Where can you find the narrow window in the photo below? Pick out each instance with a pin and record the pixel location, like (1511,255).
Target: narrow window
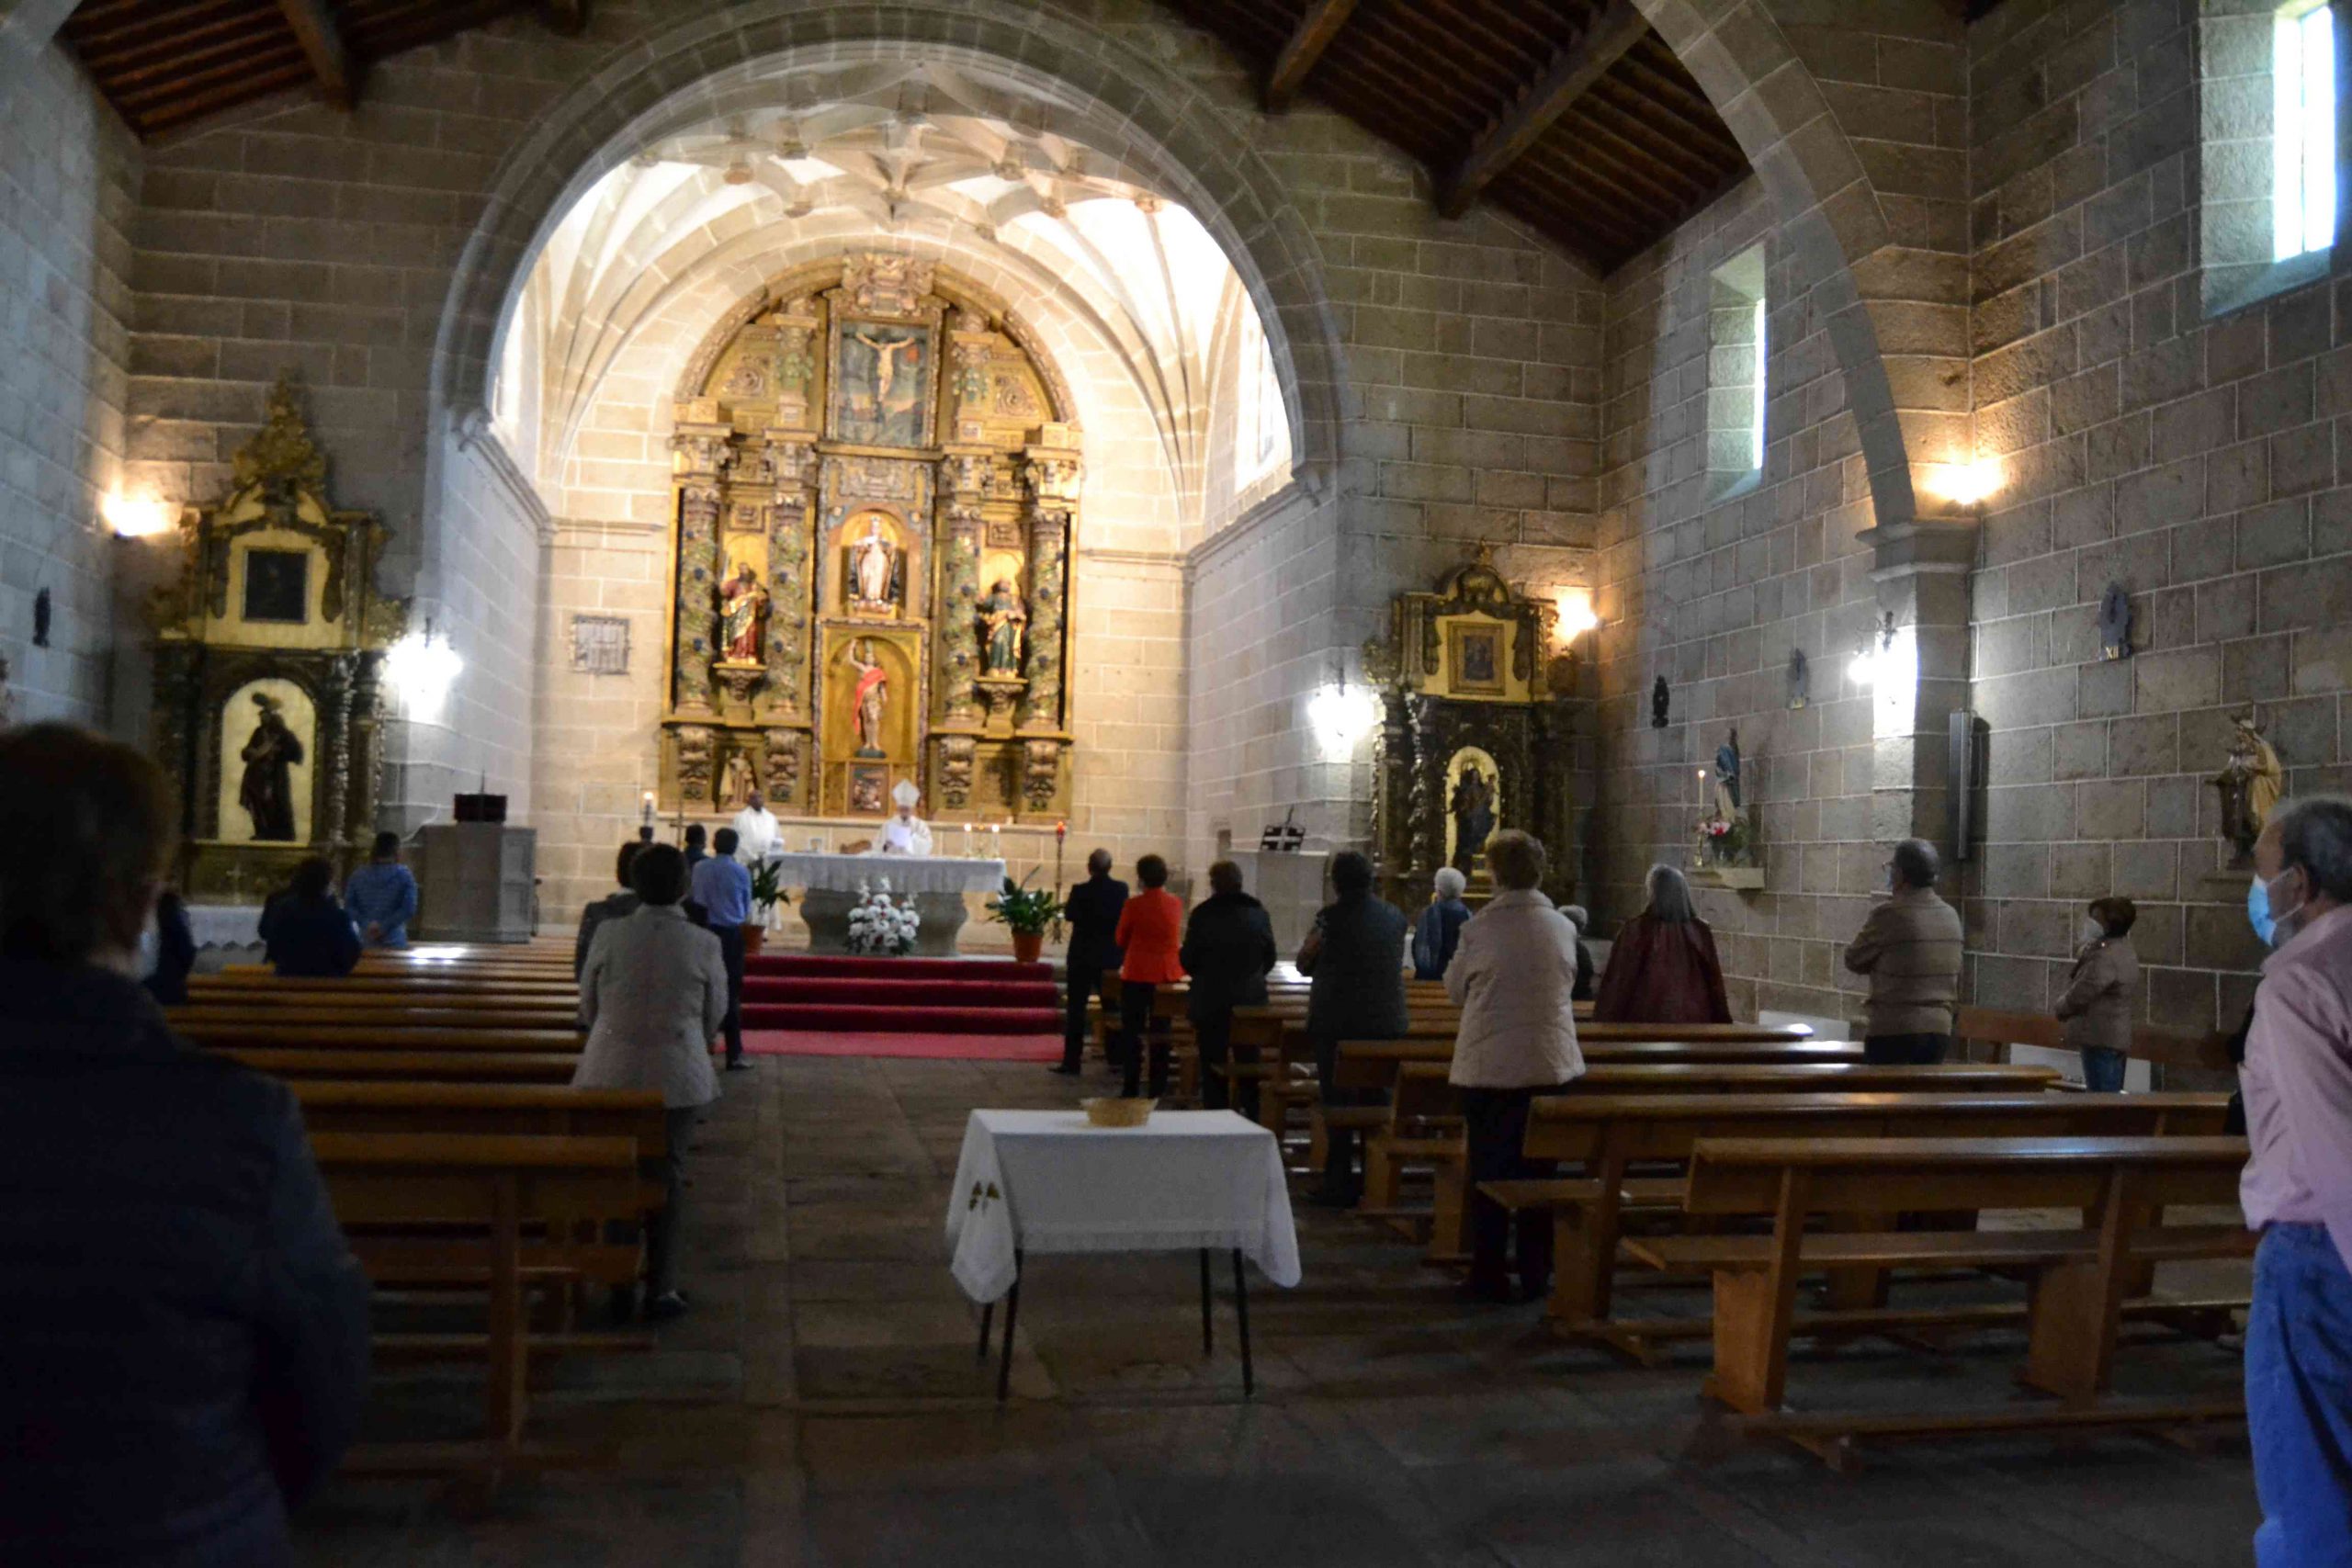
(1737,364)
(1763,354)
(2302,80)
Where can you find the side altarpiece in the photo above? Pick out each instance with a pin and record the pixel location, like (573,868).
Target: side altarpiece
(1479,727)
(876,486)
(269,699)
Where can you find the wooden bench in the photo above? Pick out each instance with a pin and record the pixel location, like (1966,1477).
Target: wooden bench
(548,1111)
(348,1037)
(1987,1035)
(1607,1136)
(2122,1187)
(437,1067)
(192,1022)
(495,1211)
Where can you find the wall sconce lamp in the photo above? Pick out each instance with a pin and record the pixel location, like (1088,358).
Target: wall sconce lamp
(1967,484)
(1863,670)
(137,516)
(1576,615)
(1339,714)
(421,667)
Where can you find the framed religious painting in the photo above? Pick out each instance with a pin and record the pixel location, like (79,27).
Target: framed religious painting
(883,391)
(1475,657)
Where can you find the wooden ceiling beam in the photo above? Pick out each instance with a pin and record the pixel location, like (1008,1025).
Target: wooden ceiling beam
(315,29)
(1616,29)
(1313,34)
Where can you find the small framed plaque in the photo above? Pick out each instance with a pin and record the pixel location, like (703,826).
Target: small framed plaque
(600,644)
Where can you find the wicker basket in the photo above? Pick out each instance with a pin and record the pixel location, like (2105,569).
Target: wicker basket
(1108,1113)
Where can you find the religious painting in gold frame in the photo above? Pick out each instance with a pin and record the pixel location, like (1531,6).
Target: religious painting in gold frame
(1477,659)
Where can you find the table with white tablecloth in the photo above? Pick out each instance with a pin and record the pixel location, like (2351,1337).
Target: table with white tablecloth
(1048,1181)
(831,887)
(224,925)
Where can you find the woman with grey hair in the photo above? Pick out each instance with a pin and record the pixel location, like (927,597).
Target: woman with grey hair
(1582,919)
(1663,968)
(1439,930)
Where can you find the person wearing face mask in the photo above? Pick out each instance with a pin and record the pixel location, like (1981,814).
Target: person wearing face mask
(2297,1189)
(183,1331)
(2101,994)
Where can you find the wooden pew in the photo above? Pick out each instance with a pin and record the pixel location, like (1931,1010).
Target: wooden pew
(559,1111)
(301,1024)
(301,993)
(434,1067)
(2121,1187)
(1987,1035)
(497,1211)
(273,1035)
(1423,1111)
(1607,1135)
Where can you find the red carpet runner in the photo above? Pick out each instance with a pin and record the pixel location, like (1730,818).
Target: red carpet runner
(931,997)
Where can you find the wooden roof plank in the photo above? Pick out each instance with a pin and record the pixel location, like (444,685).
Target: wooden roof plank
(315,29)
(1307,41)
(1617,29)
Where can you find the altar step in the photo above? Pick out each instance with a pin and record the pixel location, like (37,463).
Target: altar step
(902,996)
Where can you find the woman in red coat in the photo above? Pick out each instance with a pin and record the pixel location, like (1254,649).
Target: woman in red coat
(1152,931)
(1663,968)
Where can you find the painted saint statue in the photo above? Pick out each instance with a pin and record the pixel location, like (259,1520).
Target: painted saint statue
(1473,819)
(870,699)
(2250,783)
(743,615)
(1004,624)
(874,569)
(266,792)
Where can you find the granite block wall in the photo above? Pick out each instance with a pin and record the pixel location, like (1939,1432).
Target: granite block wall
(69,182)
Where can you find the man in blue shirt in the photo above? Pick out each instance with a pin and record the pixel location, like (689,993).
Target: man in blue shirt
(723,888)
(382,896)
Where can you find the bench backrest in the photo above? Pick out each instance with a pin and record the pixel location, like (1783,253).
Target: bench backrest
(433,1066)
(1997,1029)
(394,1178)
(1621,1127)
(1758,1176)
(544,1110)
(1423,1089)
(1375,1064)
(352,1036)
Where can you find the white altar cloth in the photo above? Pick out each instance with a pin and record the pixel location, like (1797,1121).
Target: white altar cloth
(905,873)
(1048,1181)
(224,925)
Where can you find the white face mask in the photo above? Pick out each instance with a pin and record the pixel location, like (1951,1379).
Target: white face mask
(2090,932)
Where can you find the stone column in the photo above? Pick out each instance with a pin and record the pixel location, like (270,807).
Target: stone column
(1921,572)
(1052,475)
(698,452)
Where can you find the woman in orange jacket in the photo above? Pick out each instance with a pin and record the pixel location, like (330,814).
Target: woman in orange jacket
(1151,928)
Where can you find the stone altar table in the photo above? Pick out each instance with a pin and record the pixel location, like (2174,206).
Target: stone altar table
(830,887)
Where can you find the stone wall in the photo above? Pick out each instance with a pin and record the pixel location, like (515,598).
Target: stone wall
(2191,460)
(69,178)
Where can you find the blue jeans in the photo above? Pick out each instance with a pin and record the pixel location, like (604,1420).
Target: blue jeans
(2299,1399)
(2103,1069)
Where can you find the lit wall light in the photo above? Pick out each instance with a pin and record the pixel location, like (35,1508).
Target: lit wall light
(1967,484)
(137,516)
(1865,669)
(421,667)
(1575,614)
(1339,716)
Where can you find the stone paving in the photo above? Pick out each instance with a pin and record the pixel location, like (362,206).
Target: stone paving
(822,1405)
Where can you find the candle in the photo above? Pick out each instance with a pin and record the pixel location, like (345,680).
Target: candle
(648,817)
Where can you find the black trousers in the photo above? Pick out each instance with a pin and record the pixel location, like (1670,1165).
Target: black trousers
(1904,1050)
(1340,1177)
(661,1226)
(1134,1024)
(1213,1037)
(1496,1123)
(1080,987)
(730,949)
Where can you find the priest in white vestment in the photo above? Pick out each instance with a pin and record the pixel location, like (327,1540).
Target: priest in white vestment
(905,833)
(758,834)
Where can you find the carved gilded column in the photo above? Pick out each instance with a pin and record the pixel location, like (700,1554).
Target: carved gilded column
(335,683)
(366,743)
(1052,475)
(793,454)
(698,452)
(966,474)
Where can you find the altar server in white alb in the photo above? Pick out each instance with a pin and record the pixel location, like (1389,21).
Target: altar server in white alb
(905,833)
(758,834)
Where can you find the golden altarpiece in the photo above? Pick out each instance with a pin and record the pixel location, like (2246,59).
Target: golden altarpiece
(1478,732)
(875,486)
(270,698)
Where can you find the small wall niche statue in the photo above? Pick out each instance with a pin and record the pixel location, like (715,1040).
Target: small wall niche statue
(1727,777)
(1472,808)
(1799,679)
(2250,783)
(2115,623)
(1661,699)
(1004,624)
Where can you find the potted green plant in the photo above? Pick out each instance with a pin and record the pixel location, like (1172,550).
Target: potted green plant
(1026,911)
(767,892)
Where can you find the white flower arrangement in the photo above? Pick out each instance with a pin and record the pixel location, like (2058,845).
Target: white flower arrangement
(881,926)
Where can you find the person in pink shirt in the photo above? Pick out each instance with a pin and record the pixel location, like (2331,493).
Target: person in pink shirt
(2297,1190)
